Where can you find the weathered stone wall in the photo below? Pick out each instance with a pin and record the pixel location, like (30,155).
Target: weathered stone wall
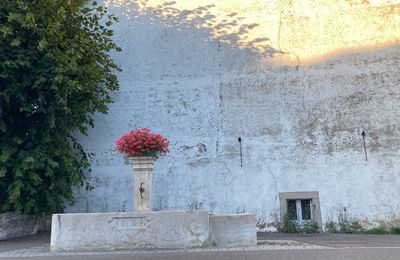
(298,81)
(13,225)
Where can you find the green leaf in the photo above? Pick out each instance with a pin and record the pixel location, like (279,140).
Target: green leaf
(17,140)
(5,155)
(18,173)
(42,45)
(56,74)
(3,172)
(15,42)
(29,159)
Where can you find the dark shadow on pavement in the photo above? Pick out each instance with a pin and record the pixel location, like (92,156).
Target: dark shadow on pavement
(25,242)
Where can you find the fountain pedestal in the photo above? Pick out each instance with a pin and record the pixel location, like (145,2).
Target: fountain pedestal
(143,173)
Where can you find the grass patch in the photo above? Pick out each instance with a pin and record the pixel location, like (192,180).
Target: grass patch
(381,230)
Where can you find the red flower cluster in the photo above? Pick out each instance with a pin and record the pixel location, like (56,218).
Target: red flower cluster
(142,143)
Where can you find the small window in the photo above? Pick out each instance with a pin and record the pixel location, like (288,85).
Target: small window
(306,209)
(300,207)
(291,210)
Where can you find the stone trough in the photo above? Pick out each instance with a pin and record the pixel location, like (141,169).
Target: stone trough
(150,230)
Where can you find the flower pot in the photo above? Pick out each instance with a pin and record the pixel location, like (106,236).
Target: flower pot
(143,170)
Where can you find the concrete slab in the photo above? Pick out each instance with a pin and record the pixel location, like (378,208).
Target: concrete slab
(233,230)
(13,225)
(112,231)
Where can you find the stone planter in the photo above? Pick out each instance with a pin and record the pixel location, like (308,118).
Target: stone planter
(143,170)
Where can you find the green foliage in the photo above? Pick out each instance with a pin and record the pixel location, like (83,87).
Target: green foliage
(240,210)
(381,230)
(351,227)
(287,226)
(348,225)
(290,226)
(309,227)
(261,223)
(55,73)
(344,224)
(195,205)
(354,226)
(331,227)
(395,230)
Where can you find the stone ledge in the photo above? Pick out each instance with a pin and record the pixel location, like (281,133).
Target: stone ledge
(233,230)
(13,225)
(145,230)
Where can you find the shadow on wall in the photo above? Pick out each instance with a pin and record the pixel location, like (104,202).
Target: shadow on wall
(230,30)
(291,33)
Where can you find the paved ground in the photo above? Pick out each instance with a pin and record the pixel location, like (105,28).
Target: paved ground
(271,246)
(337,240)
(25,242)
(301,254)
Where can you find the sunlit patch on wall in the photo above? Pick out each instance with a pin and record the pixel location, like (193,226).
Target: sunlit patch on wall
(299,31)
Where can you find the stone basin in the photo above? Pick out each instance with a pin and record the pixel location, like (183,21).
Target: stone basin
(113,231)
(150,230)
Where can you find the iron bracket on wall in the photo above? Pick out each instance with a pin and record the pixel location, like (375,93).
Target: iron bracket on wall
(365,147)
(241,155)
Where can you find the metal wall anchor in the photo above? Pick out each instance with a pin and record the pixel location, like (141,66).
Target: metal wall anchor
(365,147)
(241,155)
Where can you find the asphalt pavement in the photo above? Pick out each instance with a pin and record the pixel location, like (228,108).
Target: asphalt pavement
(25,242)
(271,246)
(336,240)
(300,254)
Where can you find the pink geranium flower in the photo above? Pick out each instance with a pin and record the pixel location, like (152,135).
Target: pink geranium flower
(142,142)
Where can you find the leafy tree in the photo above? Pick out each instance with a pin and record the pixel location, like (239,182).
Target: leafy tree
(55,73)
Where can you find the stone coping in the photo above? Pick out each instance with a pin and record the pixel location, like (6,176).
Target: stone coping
(145,212)
(231,215)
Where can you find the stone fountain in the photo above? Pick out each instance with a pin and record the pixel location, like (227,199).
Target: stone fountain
(148,229)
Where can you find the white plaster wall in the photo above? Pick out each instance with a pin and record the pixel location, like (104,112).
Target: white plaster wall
(300,123)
